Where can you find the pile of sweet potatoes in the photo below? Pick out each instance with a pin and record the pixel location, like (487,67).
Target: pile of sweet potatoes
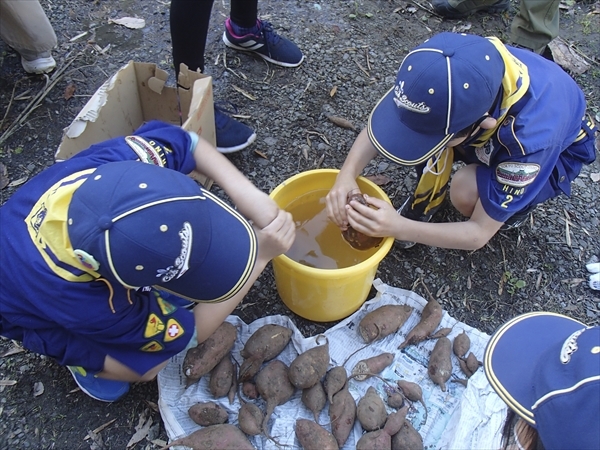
(265,378)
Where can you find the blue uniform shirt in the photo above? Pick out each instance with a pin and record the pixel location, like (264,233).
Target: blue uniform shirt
(57,309)
(539,147)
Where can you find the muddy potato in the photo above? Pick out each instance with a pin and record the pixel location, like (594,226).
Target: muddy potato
(440,364)
(383,321)
(208,413)
(356,239)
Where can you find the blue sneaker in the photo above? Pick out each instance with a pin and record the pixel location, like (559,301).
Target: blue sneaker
(232,135)
(263,41)
(98,388)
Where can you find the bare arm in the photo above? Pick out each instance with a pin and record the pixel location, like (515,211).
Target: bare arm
(252,203)
(384,221)
(360,154)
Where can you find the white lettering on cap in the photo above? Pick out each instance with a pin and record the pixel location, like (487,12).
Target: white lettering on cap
(181,264)
(569,347)
(402,101)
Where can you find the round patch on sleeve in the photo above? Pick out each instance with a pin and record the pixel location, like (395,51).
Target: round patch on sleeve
(516,174)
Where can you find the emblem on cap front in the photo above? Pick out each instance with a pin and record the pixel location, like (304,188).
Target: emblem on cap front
(181,264)
(569,347)
(86,260)
(402,101)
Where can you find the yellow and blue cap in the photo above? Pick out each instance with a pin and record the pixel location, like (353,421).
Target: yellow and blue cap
(442,86)
(546,367)
(144,225)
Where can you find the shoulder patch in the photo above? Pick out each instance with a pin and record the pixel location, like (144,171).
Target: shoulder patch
(516,174)
(174,330)
(152,346)
(145,150)
(154,326)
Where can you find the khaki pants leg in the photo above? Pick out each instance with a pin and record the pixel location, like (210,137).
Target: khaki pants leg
(25,27)
(535,24)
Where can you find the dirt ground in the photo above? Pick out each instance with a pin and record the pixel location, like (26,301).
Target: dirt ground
(352,47)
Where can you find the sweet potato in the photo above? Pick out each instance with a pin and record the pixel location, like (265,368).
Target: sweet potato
(214,437)
(335,379)
(250,419)
(430,319)
(311,436)
(395,400)
(203,358)
(249,390)
(310,367)
(374,440)
(342,414)
(463,366)
(382,439)
(374,365)
(472,362)
(461,344)
(221,377)
(314,398)
(440,365)
(442,332)
(383,321)
(413,392)
(356,239)
(395,421)
(407,438)
(265,344)
(208,413)
(273,385)
(370,410)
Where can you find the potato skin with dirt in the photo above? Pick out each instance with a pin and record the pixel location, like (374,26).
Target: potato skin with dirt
(430,319)
(383,321)
(373,365)
(313,436)
(208,413)
(215,437)
(342,415)
(440,364)
(250,419)
(356,239)
(407,438)
(265,344)
(309,367)
(203,358)
(370,410)
(221,377)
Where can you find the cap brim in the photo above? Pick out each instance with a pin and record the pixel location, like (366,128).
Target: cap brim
(396,141)
(228,261)
(514,351)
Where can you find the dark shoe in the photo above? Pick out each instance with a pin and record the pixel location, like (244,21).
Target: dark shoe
(443,8)
(406,211)
(98,388)
(265,42)
(232,136)
(517,220)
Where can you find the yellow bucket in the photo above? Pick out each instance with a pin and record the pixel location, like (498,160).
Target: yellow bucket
(324,295)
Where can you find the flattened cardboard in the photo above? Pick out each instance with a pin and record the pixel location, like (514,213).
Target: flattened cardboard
(135,94)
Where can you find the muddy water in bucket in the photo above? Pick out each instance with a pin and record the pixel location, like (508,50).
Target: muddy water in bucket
(319,242)
(322,278)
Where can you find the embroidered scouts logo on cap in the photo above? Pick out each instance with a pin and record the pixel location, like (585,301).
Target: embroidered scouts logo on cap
(569,347)
(402,101)
(182,262)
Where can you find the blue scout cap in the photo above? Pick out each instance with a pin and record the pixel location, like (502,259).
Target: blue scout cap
(443,86)
(145,225)
(546,367)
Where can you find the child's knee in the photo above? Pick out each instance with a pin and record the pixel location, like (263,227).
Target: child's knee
(464,194)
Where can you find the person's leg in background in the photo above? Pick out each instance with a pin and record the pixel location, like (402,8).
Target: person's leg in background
(25,27)
(245,31)
(189,22)
(535,25)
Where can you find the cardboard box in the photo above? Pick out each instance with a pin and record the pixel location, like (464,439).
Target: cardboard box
(137,94)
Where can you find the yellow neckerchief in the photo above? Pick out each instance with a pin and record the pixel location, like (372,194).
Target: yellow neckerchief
(47,226)
(514,86)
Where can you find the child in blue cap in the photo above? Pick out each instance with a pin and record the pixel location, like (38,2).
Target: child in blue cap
(546,368)
(515,119)
(101,253)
